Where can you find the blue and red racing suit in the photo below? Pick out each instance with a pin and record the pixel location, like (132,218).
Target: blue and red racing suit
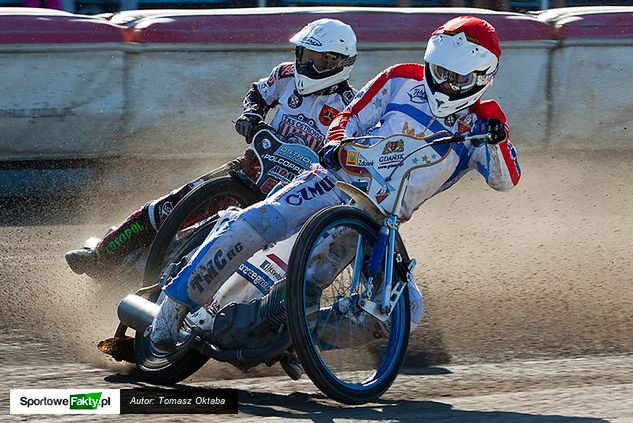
(393,102)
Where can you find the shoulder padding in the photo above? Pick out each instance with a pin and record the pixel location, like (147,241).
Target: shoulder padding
(285,70)
(488,109)
(405,70)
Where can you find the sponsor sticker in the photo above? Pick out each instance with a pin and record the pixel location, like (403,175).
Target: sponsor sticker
(465,123)
(327,114)
(271,80)
(309,192)
(286,69)
(303,127)
(311,41)
(295,100)
(255,276)
(205,274)
(348,96)
(382,194)
(165,209)
(352,157)
(64,401)
(355,159)
(280,173)
(125,236)
(417,94)
(393,147)
(268,185)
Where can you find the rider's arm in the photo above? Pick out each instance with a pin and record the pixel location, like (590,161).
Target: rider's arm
(263,95)
(497,163)
(370,103)
(254,103)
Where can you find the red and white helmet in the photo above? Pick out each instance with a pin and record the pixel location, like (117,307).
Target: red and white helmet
(325,54)
(461,60)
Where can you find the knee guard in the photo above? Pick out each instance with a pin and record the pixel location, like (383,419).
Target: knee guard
(225,249)
(267,221)
(159,209)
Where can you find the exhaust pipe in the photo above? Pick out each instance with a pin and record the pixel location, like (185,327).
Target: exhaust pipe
(137,312)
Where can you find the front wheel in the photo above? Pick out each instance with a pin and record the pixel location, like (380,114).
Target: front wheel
(350,355)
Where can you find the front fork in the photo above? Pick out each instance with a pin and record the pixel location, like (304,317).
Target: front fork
(383,252)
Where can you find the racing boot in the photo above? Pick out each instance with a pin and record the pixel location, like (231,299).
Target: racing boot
(85,260)
(100,257)
(291,365)
(335,328)
(166,325)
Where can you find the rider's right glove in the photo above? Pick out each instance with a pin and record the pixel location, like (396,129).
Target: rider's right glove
(328,156)
(494,127)
(245,124)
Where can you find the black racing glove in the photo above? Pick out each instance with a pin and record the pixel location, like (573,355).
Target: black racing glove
(328,156)
(246,123)
(494,127)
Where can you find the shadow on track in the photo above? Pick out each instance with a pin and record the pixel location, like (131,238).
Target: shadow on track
(320,409)
(316,408)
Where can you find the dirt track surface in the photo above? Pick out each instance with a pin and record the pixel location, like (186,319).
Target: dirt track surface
(528,305)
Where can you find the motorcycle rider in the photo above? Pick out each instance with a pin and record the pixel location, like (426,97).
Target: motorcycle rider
(460,62)
(310,92)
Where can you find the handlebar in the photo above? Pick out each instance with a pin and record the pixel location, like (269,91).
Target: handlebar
(461,138)
(446,140)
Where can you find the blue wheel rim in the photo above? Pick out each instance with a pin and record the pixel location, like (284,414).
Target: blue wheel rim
(396,334)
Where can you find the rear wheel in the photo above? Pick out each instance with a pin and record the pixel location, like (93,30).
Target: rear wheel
(350,355)
(156,366)
(183,231)
(189,215)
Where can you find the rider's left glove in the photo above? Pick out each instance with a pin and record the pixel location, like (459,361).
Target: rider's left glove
(245,124)
(328,156)
(494,127)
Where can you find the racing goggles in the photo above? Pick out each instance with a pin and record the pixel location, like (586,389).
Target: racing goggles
(459,83)
(315,64)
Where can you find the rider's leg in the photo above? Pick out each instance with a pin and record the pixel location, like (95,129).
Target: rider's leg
(328,260)
(137,231)
(330,257)
(272,220)
(336,330)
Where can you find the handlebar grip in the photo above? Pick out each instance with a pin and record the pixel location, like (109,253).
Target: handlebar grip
(450,140)
(459,138)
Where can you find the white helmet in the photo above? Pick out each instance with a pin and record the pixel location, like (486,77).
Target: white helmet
(325,55)
(461,60)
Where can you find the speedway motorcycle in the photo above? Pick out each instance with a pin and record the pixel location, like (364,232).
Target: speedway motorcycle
(337,294)
(270,161)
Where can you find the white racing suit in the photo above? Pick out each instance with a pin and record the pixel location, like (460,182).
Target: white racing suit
(302,119)
(393,102)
